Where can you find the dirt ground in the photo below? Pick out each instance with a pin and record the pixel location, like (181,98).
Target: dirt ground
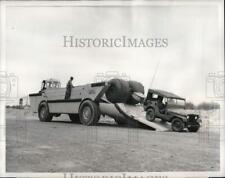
(62,146)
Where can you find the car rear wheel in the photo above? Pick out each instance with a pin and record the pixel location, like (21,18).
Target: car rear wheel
(89,113)
(43,113)
(177,125)
(150,114)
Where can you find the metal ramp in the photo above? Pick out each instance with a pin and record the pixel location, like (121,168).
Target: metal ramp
(137,113)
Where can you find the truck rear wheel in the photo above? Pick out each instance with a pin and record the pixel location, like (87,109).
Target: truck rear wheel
(89,113)
(74,118)
(177,125)
(43,113)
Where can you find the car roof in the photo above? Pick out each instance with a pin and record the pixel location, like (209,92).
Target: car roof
(165,94)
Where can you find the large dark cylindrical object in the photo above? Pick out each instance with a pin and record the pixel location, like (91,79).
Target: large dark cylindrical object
(118,91)
(134,87)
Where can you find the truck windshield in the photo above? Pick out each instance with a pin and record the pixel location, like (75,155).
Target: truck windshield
(54,85)
(50,85)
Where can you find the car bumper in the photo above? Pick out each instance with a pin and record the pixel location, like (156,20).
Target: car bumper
(196,125)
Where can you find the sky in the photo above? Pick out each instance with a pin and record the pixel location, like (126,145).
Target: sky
(34,45)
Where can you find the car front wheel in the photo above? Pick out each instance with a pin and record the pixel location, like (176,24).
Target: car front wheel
(177,125)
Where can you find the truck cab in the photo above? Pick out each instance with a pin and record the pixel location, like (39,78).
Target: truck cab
(50,83)
(170,107)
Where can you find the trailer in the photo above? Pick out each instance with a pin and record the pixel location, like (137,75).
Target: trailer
(119,99)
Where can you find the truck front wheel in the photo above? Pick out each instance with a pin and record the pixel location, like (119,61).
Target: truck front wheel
(89,113)
(43,113)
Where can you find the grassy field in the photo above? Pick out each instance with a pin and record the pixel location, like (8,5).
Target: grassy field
(58,146)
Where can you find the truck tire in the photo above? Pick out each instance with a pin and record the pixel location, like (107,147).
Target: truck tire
(177,125)
(150,114)
(89,113)
(134,87)
(118,91)
(43,113)
(74,118)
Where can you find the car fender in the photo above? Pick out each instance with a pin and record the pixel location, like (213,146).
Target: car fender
(184,118)
(149,107)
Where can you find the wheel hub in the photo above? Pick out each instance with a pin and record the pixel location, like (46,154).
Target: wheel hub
(87,113)
(177,124)
(43,111)
(150,113)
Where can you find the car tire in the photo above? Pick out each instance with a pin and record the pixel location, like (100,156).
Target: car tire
(177,125)
(89,113)
(43,113)
(74,118)
(150,114)
(134,87)
(118,92)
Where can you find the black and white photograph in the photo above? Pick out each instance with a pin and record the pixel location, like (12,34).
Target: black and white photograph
(120,88)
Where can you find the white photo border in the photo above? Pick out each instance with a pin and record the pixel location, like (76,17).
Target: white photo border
(7,4)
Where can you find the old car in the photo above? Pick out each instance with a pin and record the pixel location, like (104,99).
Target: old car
(170,107)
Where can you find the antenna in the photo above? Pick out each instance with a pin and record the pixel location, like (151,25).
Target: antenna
(154,75)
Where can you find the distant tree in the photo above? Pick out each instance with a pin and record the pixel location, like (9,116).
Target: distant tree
(189,105)
(208,106)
